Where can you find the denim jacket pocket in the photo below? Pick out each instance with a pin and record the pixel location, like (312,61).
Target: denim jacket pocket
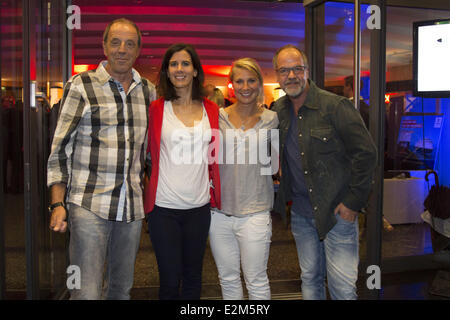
(323,140)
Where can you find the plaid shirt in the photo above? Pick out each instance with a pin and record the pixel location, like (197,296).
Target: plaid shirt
(99,145)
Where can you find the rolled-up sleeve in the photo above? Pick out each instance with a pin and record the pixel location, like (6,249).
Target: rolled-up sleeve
(72,105)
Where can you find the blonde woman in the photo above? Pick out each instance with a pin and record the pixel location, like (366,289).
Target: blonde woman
(241,230)
(218,98)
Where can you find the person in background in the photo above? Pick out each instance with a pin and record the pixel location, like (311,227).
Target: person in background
(183,185)
(363,106)
(327,163)
(209,90)
(218,98)
(364,111)
(241,231)
(96,165)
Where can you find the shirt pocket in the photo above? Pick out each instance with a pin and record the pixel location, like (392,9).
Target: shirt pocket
(324,140)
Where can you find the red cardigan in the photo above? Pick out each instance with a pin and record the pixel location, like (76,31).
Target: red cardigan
(156,112)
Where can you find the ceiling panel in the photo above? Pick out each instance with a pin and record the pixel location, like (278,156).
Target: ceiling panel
(224,30)
(221,31)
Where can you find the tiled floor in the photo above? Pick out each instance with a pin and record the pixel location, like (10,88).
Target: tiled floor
(398,286)
(284,272)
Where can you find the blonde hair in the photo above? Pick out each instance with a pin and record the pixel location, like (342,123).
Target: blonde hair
(251,65)
(218,98)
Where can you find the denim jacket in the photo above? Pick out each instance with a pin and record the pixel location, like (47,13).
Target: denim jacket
(337,153)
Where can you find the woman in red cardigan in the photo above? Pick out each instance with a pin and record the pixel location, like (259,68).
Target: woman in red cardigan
(184,181)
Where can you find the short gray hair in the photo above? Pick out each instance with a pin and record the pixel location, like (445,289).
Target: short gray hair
(124,21)
(289,46)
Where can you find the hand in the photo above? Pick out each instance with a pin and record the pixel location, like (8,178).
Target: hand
(345,213)
(277,176)
(146,183)
(58,221)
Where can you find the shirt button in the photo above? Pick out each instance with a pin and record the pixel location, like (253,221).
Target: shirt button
(300,135)
(315,208)
(302,153)
(306,171)
(310,190)
(300,117)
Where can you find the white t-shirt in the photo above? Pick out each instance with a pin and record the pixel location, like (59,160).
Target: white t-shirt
(183,181)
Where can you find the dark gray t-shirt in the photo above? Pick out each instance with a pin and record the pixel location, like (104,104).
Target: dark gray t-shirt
(300,199)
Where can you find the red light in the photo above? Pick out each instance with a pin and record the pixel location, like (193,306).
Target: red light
(221,71)
(387,98)
(230,86)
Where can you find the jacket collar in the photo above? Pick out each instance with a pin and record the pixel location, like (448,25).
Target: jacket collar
(310,101)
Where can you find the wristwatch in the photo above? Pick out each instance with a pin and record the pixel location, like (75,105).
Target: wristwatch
(56,204)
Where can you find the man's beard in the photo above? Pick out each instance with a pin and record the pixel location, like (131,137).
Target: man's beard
(296,92)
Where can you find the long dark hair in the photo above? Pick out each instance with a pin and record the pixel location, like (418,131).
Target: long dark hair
(165,86)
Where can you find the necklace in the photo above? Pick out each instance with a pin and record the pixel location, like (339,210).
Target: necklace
(244,122)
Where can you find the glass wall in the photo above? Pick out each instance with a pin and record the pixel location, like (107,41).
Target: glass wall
(416,128)
(339,61)
(418,132)
(34,259)
(11,166)
(52,254)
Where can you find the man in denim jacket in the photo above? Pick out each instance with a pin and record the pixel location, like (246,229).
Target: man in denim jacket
(327,162)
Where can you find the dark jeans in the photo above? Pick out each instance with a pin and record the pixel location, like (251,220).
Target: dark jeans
(179,240)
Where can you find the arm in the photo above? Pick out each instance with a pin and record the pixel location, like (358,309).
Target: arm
(58,166)
(148,156)
(72,106)
(361,151)
(275,148)
(147,173)
(58,221)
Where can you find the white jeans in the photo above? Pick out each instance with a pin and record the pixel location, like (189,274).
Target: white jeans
(242,240)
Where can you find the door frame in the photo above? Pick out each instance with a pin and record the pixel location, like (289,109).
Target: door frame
(34,210)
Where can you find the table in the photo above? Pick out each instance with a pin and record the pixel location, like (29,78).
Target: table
(403,199)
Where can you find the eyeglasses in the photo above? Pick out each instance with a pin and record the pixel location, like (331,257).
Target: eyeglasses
(297,70)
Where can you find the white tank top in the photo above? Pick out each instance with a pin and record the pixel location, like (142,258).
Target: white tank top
(183,181)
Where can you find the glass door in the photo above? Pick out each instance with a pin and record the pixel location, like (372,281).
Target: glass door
(46,251)
(32,259)
(410,132)
(12,227)
(332,44)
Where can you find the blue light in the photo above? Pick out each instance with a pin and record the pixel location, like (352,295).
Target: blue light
(443,158)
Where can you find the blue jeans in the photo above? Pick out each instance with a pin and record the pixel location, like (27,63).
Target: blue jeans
(336,258)
(179,240)
(94,241)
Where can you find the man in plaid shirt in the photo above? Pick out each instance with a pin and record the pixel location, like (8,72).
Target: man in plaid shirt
(96,166)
